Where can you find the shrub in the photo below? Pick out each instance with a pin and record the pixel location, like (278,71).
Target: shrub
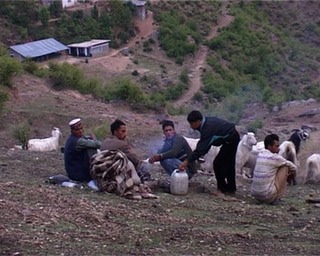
(174,92)
(198,96)
(3,98)
(21,133)
(184,76)
(254,125)
(9,68)
(124,89)
(157,102)
(101,132)
(30,66)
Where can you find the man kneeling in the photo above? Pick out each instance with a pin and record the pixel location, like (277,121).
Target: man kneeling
(271,172)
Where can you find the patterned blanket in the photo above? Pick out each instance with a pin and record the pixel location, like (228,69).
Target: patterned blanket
(114,173)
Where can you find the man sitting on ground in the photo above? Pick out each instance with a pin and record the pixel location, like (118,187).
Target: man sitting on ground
(77,152)
(119,141)
(174,150)
(271,172)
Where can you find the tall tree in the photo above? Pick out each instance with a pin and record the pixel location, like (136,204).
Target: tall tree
(44,16)
(95,12)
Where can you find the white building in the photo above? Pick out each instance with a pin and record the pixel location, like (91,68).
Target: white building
(65,3)
(68,3)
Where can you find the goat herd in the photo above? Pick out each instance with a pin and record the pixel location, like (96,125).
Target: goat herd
(247,152)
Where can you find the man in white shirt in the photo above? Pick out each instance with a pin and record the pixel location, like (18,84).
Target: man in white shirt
(271,172)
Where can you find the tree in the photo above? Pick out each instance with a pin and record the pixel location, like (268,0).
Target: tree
(95,12)
(56,9)
(121,15)
(44,16)
(9,68)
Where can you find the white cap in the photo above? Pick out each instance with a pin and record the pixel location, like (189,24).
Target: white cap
(75,122)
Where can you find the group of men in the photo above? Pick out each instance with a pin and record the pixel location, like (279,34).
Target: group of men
(270,175)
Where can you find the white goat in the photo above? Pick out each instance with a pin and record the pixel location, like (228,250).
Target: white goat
(244,154)
(207,166)
(47,144)
(313,169)
(258,147)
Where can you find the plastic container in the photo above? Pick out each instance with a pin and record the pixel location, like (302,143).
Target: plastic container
(179,183)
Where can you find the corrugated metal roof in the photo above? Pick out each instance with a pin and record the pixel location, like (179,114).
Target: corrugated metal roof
(90,43)
(138,2)
(39,48)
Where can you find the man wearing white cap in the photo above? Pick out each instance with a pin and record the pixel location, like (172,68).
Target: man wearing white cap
(77,152)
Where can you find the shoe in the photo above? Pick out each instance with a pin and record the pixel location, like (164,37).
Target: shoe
(165,185)
(93,185)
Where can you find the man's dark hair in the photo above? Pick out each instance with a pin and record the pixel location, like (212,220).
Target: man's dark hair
(194,116)
(116,125)
(269,140)
(166,123)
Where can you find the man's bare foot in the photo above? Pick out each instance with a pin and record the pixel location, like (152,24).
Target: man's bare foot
(217,193)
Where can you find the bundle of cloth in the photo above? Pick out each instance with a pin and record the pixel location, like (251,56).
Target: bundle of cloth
(114,173)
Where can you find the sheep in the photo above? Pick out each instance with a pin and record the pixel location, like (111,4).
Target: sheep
(290,149)
(313,169)
(244,153)
(258,147)
(206,166)
(44,145)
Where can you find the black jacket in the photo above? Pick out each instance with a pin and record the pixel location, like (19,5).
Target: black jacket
(214,132)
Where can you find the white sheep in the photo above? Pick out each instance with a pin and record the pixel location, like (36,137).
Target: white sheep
(286,150)
(206,164)
(44,145)
(258,147)
(313,169)
(244,157)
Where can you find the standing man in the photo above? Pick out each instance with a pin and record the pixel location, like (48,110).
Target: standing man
(271,172)
(216,132)
(174,150)
(77,152)
(119,141)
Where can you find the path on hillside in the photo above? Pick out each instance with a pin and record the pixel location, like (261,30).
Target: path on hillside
(200,58)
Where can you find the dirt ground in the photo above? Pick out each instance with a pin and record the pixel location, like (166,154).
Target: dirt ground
(41,219)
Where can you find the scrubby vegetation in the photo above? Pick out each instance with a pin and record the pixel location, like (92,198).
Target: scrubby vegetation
(27,20)
(266,55)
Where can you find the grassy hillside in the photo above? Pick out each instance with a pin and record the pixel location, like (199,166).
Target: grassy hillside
(268,55)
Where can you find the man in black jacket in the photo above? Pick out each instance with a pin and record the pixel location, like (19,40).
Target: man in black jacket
(174,150)
(216,132)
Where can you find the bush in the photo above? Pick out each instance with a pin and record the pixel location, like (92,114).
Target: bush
(124,89)
(9,68)
(101,132)
(30,66)
(175,91)
(156,102)
(184,78)
(253,126)
(66,76)
(198,96)
(3,98)
(21,133)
